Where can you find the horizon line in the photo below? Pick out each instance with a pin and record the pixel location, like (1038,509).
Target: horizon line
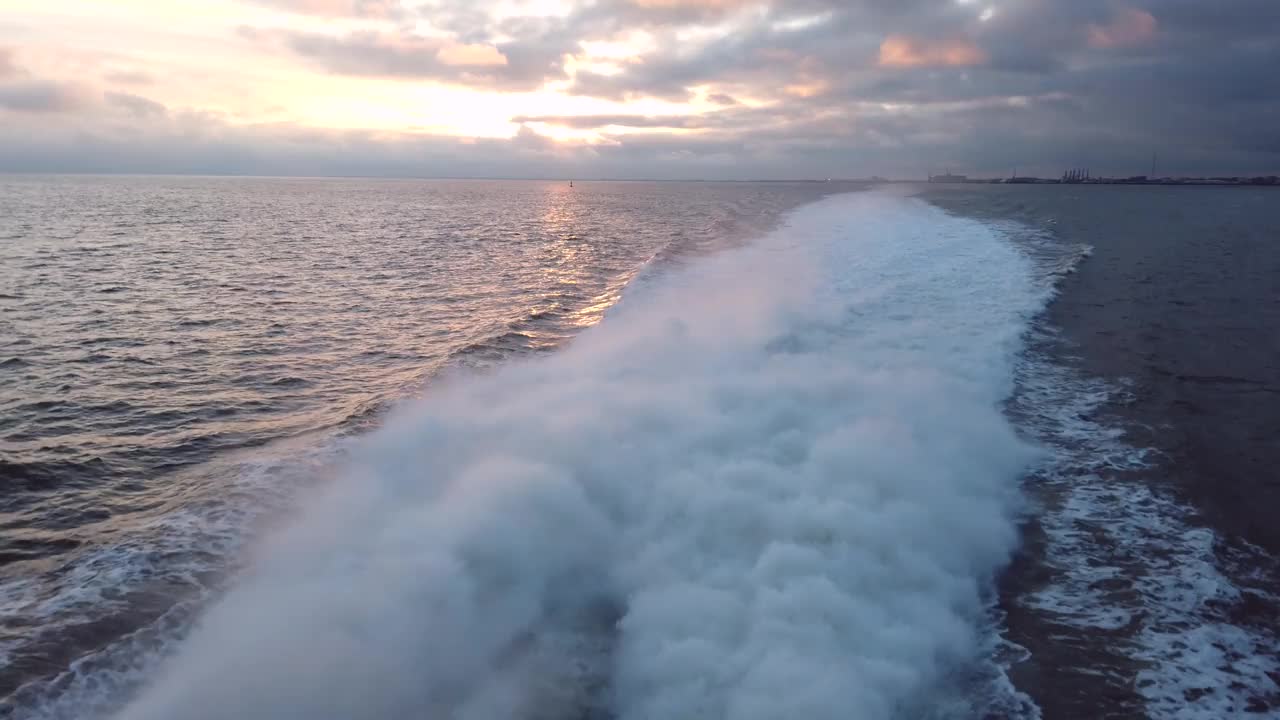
(875,179)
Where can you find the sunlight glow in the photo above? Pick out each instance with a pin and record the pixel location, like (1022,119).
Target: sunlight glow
(236,60)
(233,59)
(906,52)
(800,23)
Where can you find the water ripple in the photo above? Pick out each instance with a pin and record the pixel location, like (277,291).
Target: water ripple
(181,355)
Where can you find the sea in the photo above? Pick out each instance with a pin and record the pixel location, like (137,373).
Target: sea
(279,448)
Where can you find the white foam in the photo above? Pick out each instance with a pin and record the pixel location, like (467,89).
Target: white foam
(179,554)
(1130,562)
(785,466)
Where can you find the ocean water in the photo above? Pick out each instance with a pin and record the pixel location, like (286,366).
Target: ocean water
(180,356)
(346,448)
(1148,583)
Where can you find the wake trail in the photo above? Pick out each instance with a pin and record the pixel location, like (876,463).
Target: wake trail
(773,483)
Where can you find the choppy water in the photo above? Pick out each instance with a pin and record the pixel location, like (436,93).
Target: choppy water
(331,448)
(1149,580)
(177,354)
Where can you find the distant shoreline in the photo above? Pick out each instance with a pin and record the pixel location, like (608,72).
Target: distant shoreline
(1263,181)
(1256,181)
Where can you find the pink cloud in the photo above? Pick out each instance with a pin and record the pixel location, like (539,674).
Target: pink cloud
(1129,27)
(7,66)
(905,52)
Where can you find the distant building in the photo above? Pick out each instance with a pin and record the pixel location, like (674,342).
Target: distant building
(948,178)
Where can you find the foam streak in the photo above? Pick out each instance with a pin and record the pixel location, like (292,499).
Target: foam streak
(769,485)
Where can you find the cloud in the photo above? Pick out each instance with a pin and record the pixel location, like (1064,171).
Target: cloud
(406,55)
(1129,27)
(188,142)
(903,51)
(698,4)
(7,67)
(476,55)
(529,139)
(803,88)
(382,9)
(682,10)
(644,82)
(43,96)
(135,104)
(812,139)
(599,121)
(1236,21)
(129,77)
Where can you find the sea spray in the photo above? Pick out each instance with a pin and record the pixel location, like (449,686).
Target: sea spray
(771,484)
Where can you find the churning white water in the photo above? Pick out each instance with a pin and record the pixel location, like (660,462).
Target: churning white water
(771,484)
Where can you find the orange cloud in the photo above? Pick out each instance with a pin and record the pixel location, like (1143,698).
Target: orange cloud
(1129,27)
(905,52)
(475,55)
(806,89)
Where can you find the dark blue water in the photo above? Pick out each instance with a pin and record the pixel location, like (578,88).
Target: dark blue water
(1149,582)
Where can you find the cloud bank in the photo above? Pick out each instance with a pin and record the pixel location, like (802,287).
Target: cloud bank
(760,88)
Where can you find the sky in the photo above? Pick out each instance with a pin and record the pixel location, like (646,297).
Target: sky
(713,89)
